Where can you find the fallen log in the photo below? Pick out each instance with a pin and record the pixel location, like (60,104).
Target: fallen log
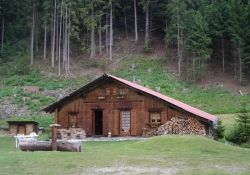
(46,146)
(69,146)
(35,146)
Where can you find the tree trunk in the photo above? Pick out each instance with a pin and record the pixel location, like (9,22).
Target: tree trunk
(100,35)
(46,146)
(223,54)
(106,36)
(136,30)
(187,69)
(125,23)
(45,42)
(92,34)
(194,71)
(36,32)
(178,46)
(235,64)
(53,36)
(202,71)
(68,47)
(32,35)
(181,47)
(147,26)
(2,34)
(172,51)
(151,23)
(59,42)
(240,64)
(111,31)
(57,36)
(65,42)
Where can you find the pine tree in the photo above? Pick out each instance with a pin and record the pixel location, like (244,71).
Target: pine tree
(243,122)
(219,130)
(177,10)
(197,41)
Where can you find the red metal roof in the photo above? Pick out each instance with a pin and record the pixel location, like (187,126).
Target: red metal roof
(170,100)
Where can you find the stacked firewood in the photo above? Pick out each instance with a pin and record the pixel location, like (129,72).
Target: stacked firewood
(177,125)
(181,125)
(148,132)
(71,133)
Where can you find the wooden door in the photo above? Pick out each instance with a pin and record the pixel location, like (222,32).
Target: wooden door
(125,123)
(21,129)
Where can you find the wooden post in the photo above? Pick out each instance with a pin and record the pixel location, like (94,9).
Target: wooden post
(55,117)
(54,136)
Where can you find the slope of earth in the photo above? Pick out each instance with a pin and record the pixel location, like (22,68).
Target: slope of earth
(154,74)
(157,155)
(147,71)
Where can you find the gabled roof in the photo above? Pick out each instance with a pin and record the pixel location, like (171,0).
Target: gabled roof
(176,103)
(22,121)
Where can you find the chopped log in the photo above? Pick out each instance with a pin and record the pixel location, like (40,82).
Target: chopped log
(35,146)
(177,125)
(46,146)
(69,146)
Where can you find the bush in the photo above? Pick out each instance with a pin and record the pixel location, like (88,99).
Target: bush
(241,132)
(219,131)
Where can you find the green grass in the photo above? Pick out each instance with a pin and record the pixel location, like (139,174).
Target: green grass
(181,154)
(44,121)
(213,100)
(11,87)
(228,121)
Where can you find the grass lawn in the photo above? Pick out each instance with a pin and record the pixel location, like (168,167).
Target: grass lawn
(157,155)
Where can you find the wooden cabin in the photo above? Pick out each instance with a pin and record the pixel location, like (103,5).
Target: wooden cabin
(22,127)
(113,105)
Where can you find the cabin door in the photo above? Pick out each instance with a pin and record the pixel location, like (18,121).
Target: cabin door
(98,122)
(21,129)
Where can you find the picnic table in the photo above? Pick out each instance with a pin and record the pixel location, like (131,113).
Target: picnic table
(20,137)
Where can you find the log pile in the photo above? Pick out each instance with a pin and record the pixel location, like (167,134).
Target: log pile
(71,133)
(46,146)
(177,125)
(181,125)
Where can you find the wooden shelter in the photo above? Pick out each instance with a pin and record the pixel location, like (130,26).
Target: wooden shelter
(113,105)
(22,127)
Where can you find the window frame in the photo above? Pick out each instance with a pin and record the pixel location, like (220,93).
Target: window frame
(70,123)
(121,114)
(155,123)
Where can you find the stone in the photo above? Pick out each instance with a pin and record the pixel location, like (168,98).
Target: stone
(31,89)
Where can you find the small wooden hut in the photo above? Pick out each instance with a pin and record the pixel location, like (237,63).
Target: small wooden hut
(113,105)
(22,127)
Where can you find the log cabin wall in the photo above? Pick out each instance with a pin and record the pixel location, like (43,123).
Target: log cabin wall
(115,101)
(22,128)
(13,129)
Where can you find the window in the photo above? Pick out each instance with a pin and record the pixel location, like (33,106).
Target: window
(155,118)
(102,94)
(72,121)
(125,120)
(121,91)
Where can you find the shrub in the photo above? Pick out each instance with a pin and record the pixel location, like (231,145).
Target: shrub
(219,131)
(241,132)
